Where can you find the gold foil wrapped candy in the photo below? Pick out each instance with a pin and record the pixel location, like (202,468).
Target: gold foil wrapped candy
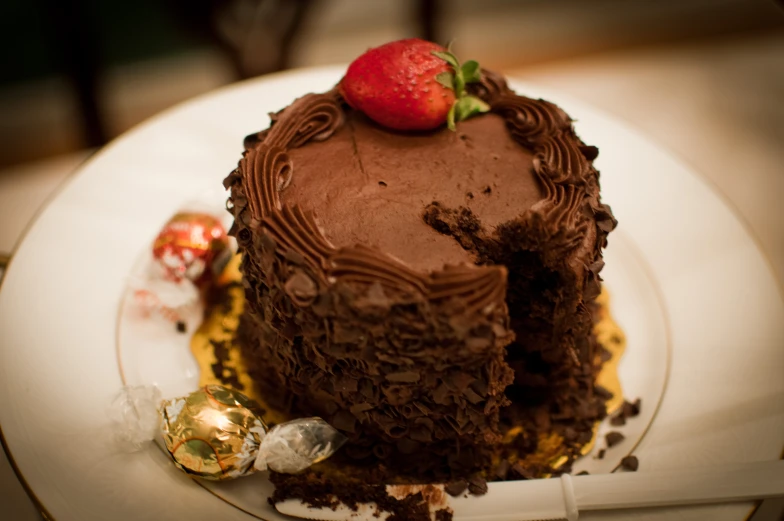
(213,433)
(217,433)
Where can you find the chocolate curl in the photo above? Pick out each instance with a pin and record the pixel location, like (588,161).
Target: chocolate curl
(218,433)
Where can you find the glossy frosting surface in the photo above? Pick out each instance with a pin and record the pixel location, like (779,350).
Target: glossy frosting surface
(369,185)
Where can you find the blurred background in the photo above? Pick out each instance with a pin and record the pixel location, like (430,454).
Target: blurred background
(704,78)
(698,76)
(77,73)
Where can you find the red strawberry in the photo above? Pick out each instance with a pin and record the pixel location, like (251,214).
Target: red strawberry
(411,85)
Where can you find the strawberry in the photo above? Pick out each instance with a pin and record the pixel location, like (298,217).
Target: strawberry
(411,85)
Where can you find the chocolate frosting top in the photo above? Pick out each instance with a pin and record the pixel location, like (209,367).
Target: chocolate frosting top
(372,186)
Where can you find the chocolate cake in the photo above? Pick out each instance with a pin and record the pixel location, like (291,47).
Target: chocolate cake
(424,292)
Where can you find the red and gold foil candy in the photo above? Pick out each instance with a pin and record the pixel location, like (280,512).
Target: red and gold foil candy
(192,246)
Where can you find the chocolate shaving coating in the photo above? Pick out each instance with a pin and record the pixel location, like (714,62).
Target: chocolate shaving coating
(409,363)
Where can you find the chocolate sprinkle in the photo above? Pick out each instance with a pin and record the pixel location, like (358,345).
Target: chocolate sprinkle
(614,438)
(602,392)
(630,463)
(618,420)
(456,488)
(628,410)
(443,515)
(181,327)
(477,485)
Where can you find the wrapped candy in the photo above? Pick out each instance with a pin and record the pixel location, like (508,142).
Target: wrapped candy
(192,246)
(188,254)
(217,433)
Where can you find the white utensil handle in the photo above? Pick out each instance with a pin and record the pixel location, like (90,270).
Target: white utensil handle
(726,483)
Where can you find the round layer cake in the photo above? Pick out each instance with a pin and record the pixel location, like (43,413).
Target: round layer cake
(424,292)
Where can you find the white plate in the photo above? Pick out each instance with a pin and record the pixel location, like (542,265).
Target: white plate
(724,401)
(152,352)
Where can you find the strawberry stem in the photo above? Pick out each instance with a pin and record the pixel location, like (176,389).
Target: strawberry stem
(465,105)
(450,118)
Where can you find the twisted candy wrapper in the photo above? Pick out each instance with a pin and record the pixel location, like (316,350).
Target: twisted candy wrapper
(217,433)
(168,299)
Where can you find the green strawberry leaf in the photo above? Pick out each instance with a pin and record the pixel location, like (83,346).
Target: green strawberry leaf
(470,71)
(447,79)
(467,106)
(447,57)
(450,117)
(459,83)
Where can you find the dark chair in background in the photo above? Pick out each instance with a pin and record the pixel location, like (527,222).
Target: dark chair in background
(257,36)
